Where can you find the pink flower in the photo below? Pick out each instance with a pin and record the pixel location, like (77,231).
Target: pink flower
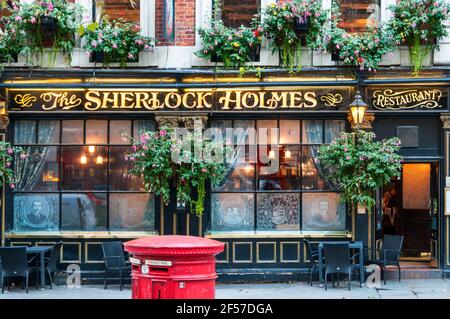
(18,18)
(12,185)
(130,56)
(163,132)
(144,138)
(8,164)
(134,147)
(23,156)
(94,43)
(345,149)
(204,170)
(347,158)
(50,6)
(10,151)
(146,47)
(33,20)
(114,45)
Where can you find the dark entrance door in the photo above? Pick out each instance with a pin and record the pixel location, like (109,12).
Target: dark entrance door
(410,209)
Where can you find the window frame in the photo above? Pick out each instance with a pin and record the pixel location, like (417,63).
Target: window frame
(299,191)
(60,191)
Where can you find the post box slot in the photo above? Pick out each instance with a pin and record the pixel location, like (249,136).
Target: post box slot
(159,269)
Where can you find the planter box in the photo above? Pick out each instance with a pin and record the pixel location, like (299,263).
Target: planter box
(99,57)
(254,55)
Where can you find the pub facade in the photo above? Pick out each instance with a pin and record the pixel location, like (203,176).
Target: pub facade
(70,119)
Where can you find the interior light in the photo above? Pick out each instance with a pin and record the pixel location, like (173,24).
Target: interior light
(83,159)
(91,149)
(272,155)
(99,160)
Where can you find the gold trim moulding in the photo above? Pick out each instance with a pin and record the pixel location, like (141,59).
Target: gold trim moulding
(278,235)
(80,234)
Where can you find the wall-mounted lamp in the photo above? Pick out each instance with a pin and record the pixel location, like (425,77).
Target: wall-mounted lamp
(358,112)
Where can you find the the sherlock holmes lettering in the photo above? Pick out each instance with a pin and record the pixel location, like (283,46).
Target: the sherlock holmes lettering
(172,100)
(390,99)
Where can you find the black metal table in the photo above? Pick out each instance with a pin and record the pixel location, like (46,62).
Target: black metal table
(40,250)
(358,245)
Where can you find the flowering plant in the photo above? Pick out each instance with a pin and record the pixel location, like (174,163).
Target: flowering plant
(118,41)
(279,22)
(233,47)
(27,19)
(160,158)
(364,50)
(7,155)
(419,24)
(360,165)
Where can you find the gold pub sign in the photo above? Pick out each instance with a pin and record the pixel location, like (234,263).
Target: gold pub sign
(162,100)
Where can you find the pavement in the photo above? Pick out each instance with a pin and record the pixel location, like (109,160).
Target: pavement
(406,289)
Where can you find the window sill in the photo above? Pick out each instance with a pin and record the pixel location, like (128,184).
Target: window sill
(79,234)
(279,234)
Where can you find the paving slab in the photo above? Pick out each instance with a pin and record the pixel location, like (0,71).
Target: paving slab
(406,289)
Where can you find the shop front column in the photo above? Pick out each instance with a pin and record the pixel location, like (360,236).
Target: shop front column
(363,223)
(445,227)
(4,121)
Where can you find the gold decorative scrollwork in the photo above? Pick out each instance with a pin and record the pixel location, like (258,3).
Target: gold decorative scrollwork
(24,100)
(331,99)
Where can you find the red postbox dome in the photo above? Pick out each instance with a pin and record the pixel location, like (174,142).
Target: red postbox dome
(174,245)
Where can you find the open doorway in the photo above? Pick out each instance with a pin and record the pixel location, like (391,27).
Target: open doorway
(410,208)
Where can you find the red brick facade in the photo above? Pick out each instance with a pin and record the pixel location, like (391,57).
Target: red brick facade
(184,23)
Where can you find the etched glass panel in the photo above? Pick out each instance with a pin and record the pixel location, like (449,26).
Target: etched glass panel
(36,212)
(84,211)
(232,212)
(132,212)
(323,212)
(278,211)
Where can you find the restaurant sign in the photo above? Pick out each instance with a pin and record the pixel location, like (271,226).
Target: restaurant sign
(164,100)
(409,99)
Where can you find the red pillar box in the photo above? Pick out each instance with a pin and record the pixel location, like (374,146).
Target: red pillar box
(173,267)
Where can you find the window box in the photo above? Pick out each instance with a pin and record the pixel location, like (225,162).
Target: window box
(254,55)
(14,59)
(99,57)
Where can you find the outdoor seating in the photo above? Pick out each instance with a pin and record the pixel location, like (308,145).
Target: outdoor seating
(338,261)
(313,257)
(52,264)
(115,262)
(14,263)
(388,255)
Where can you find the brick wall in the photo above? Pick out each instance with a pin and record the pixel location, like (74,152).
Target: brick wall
(184,23)
(115,9)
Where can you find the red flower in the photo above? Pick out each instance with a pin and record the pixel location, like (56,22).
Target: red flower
(256,33)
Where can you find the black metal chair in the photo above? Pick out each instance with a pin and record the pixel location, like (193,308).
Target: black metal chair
(313,257)
(388,255)
(14,263)
(53,262)
(114,258)
(338,261)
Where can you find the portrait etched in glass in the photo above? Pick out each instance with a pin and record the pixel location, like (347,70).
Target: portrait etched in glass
(232,211)
(323,212)
(36,212)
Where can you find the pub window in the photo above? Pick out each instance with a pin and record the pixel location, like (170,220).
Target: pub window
(129,10)
(73,178)
(293,197)
(358,15)
(235,13)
